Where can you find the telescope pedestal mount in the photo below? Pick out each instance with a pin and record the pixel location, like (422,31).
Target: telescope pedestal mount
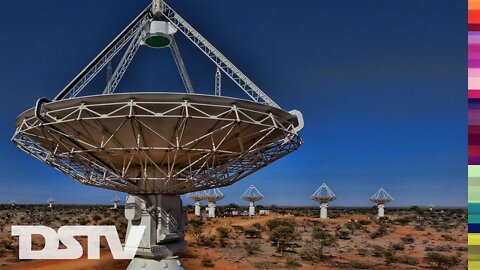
(198,208)
(164,233)
(211,209)
(381,210)
(151,264)
(323,210)
(251,209)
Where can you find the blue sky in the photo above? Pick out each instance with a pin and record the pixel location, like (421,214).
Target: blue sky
(381,84)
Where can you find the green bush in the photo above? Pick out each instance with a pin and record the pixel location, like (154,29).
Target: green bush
(291,261)
(253,233)
(277,222)
(441,261)
(251,247)
(408,239)
(223,232)
(398,246)
(364,222)
(282,235)
(207,262)
(344,234)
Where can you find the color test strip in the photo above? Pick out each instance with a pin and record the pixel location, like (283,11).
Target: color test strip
(474,134)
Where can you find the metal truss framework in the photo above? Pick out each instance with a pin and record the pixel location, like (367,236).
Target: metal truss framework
(196,196)
(163,164)
(381,197)
(252,194)
(323,194)
(102,59)
(249,87)
(134,32)
(213,195)
(218,82)
(181,66)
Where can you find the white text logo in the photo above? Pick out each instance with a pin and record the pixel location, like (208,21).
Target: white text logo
(73,248)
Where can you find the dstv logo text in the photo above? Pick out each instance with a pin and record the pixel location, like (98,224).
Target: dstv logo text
(73,249)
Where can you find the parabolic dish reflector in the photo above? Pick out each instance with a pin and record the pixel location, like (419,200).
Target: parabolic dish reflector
(157,143)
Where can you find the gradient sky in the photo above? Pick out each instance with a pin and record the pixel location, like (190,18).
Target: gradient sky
(381,84)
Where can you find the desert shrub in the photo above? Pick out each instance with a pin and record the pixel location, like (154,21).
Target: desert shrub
(96,218)
(364,222)
(378,251)
(441,248)
(207,262)
(351,225)
(107,222)
(447,237)
(277,222)
(405,259)
(323,238)
(291,261)
(441,261)
(238,228)
(389,255)
(344,234)
(223,232)
(282,236)
(195,225)
(207,241)
(403,220)
(408,239)
(383,220)
(223,235)
(351,265)
(253,233)
(258,226)
(251,247)
(419,227)
(82,221)
(381,231)
(311,253)
(362,252)
(398,246)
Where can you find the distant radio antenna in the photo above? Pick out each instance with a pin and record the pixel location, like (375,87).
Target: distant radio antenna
(324,195)
(381,197)
(50,202)
(12,202)
(212,196)
(252,195)
(197,196)
(115,201)
(430,207)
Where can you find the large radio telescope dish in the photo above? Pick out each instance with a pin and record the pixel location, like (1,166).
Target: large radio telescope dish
(156,146)
(381,197)
(213,195)
(252,194)
(196,196)
(157,143)
(323,194)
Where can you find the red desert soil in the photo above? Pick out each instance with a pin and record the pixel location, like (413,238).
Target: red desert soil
(443,232)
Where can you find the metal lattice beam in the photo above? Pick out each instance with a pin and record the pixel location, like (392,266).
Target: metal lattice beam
(181,66)
(249,87)
(218,82)
(123,65)
(102,59)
